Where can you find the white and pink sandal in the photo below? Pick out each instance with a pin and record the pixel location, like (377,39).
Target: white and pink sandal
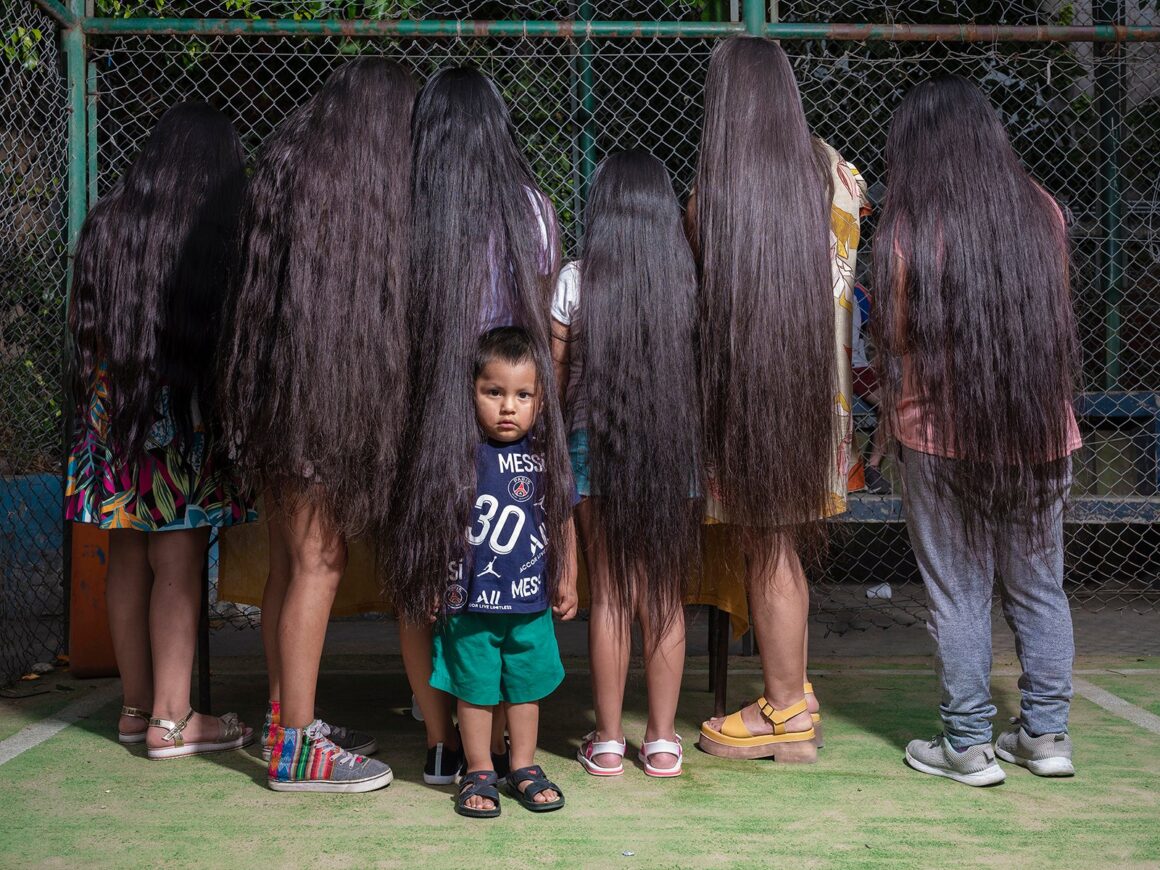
(662,747)
(590,747)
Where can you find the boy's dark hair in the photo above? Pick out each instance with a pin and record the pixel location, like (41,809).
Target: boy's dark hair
(512,344)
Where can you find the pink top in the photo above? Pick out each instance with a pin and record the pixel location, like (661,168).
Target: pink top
(915,429)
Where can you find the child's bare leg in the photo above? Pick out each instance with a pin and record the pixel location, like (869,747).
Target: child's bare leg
(524,729)
(415,644)
(127,589)
(609,639)
(499,742)
(664,666)
(274,595)
(317,561)
(475,731)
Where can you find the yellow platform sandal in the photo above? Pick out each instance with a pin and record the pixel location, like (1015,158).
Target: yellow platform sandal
(734,740)
(808,688)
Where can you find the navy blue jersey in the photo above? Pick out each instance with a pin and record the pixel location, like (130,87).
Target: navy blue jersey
(505,570)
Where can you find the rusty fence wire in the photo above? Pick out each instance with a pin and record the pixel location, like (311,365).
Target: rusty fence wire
(1082,115)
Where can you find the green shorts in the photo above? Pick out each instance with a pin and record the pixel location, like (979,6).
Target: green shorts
(485,658)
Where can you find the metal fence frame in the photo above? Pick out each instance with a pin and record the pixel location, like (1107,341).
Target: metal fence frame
(1108,37)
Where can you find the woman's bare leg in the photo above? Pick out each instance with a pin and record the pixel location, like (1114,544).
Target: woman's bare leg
(317,561)
(127,588)
(779,607)
(178,562)
(274,594)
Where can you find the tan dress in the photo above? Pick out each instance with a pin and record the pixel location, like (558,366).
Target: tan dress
(849,205)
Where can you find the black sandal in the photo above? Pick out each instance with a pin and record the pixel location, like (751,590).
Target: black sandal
(537,782)
(477,783)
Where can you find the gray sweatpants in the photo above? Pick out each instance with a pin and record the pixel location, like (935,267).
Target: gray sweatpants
(959,580)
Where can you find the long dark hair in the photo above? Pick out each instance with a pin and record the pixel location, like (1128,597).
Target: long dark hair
(971,267)
(150,277)
(635,339)
(479,260)
(767,352)
(314,366)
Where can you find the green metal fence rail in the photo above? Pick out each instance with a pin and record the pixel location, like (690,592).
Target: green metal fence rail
(1078,87)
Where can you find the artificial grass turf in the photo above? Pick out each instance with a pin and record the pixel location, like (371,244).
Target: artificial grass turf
(81,799)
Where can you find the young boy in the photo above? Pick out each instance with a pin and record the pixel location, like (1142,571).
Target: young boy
(496,643)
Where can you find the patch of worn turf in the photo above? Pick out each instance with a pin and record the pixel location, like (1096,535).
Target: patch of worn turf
(28,702)
(82,800)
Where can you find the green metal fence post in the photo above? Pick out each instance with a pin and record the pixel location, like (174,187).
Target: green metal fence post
(1109,83)
(753,14)
(77,72)
(586,101)
(91,113)
(77,77)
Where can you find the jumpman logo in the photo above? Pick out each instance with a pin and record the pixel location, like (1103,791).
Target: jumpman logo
(540,503)
(490,569)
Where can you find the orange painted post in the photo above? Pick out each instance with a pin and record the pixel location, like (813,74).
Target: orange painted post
(90,646)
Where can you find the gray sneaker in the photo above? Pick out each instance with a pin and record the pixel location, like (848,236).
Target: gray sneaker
(1045,755)
(352,741)
(304,759)
(975,766)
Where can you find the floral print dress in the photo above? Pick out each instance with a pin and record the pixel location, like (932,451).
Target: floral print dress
(160,492)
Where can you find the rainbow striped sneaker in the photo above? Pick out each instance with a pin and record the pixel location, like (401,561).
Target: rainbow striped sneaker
(352,741)
(304,759)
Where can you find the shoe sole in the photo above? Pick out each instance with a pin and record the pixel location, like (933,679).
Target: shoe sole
(1054,766)
(432,779)
(169,752)
(799,750)
(659,772)
(992,775)
(595,769)
(357,787)
(130,739)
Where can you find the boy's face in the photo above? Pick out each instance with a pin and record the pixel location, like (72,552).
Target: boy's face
(506,401)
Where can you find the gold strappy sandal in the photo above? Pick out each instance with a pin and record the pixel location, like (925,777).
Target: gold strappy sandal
(129,737)
(734,740)
(234,735)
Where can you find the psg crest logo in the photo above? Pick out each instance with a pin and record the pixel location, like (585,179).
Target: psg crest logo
(520,488)
(456,596)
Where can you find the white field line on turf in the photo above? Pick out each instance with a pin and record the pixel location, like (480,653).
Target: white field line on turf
(1118,706)
(33,735)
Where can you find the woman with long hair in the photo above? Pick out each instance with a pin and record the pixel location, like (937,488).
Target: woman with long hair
(485,250)
(977,345)
(146,464)
(775,221)
(623,338)
(314,373)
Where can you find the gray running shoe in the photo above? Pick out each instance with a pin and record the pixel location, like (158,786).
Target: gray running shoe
(1045,755)
(304,759)
(975,766)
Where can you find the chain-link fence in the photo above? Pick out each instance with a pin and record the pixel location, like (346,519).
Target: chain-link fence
(33,155)
(1082,114)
